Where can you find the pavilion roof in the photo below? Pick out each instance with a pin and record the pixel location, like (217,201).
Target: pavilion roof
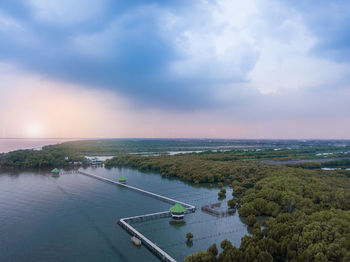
(177,208)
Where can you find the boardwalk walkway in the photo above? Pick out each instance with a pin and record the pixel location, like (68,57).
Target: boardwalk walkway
(125,222)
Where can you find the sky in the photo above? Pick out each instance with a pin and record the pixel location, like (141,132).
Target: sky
(189,69)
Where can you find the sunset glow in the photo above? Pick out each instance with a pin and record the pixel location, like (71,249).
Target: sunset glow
(34,130)
(166,70)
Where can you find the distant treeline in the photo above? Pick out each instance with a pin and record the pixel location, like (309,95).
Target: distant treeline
(286,147)
(197,168)
(235,150)
(49,156)
(343,163)
(308,211)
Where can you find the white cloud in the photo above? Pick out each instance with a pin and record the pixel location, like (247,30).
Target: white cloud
(261,42)
(66,12)
(7,23)
(213,41)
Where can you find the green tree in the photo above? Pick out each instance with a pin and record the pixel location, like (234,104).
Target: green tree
(264,256)
(226,244)
(232,203)
(213,250)
(222,193)
(201,256)
(251,220)
(189,236)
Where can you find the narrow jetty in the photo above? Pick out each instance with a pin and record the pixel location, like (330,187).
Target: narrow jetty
(159,197)
(125,222)
(161,254)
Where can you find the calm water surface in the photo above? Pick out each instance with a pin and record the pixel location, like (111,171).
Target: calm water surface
(11,144)
(73,217)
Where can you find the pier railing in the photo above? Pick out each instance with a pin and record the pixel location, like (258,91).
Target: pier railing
(125,222)
(159,197)
(161,254)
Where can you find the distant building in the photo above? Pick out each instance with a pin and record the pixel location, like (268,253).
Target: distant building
(96,161)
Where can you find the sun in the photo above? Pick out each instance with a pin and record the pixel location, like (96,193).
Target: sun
(34,130)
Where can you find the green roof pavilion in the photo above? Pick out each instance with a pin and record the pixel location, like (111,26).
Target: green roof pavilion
(55,170)
(122,179)
(177,208)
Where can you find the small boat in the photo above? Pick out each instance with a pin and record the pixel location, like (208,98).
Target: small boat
(136,241)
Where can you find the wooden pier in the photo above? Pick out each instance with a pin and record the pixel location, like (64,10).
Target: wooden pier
(125,222)
(159,197)
(161,254)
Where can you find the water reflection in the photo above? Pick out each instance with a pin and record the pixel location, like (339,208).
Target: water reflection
(177,223)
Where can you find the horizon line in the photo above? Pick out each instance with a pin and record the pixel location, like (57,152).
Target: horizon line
(171,138)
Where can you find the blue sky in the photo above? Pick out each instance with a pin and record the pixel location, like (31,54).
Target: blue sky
(280,68)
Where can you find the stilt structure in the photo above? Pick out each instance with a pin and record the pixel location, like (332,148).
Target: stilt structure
(177,211)
(55,172)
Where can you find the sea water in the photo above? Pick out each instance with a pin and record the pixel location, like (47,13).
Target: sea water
(74,217)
